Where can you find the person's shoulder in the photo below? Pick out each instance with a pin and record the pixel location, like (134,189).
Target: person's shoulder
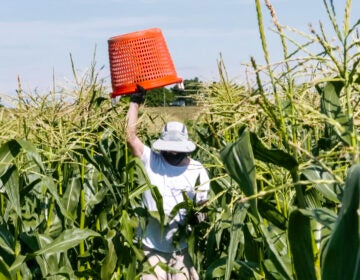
(147,149)
(195,163)
(146,153)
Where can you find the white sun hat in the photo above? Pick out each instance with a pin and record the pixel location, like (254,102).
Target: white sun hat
(174,137)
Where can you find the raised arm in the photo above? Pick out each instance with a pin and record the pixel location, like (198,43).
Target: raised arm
(132,138)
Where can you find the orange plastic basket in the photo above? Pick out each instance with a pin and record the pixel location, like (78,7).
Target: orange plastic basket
(142,58)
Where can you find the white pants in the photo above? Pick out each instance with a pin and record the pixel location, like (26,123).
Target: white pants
(179,260)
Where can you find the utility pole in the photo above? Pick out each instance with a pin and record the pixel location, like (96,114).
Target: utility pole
(164,97)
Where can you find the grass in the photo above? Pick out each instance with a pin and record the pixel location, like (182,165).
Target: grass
(161,115)
(182,114)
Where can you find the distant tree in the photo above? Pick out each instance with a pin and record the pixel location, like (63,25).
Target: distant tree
(191,87)
(159,97)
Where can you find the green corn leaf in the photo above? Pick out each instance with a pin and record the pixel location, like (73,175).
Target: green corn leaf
(331,107)
(323,181)
(269,212)
(109,263)
(325,221)
(253,244)
(27,188)
(159,204)
(102,163)
(176,209)
(11,183)
(6,241)
(56,264)
(324,216)
(143,183)
(12,148)
(236,236)
(279,263)
(89,158)
(312,198)
(274,156)
(136,192)
(4,270)
(68,239)
(191,242)
(238,160)
(30,240)
(16,265)
(216,269)
(300,240)
(126,227)
(226,218)
(48,262)
(71,197)
(187,205)
(31,152)
(220,184)
(49,184)
(8,152)
(341,256)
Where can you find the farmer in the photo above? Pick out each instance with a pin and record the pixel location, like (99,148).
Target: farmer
(169,168)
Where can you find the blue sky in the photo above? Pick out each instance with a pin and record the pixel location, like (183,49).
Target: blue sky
(37,36)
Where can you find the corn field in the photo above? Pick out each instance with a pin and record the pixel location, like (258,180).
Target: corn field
(281,149)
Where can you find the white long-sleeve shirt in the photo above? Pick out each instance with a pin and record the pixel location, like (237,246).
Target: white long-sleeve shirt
(171,181)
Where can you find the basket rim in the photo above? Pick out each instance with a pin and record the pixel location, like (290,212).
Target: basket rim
(147,85)
(136,35)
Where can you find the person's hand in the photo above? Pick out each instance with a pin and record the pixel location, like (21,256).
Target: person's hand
(196,217)
(139,96)
(200,217)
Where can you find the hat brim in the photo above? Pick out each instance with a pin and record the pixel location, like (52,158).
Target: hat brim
(174,146)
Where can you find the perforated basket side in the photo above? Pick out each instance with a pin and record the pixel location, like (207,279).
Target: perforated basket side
(140,58)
